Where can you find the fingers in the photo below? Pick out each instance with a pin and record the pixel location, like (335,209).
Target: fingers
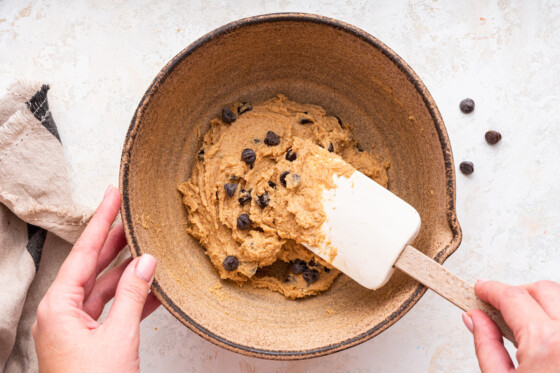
(515,303)
(132,291)
(489,345)
(81,263)
(152,303)
(115,242)
(547,294)
(104,290)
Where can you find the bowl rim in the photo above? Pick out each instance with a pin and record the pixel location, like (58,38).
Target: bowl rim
(447,156)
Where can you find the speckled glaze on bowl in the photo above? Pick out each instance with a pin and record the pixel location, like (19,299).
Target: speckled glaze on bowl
(311,59)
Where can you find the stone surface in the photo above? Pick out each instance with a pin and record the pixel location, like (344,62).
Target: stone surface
(100,57)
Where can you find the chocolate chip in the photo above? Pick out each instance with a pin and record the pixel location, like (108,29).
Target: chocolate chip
(359,147)
(248,156)
(310,275)
(263,200)
(339,122)
(245,107)
(331,147)
(466,167)
(201,155)
(259,229)
(283,177)
(467,105)
(272,184)
(312,263)
(327,269)
(271,139)
(228,116)
(257,141)
(245,196)
(291,156)
(230,189)
(493,137)
(305,121)
(243,222)
(230,263)
(298,266)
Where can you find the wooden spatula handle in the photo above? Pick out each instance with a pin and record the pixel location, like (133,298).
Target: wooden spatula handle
(454,289)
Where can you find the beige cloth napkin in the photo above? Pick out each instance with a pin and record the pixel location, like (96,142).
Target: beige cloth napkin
(38,219)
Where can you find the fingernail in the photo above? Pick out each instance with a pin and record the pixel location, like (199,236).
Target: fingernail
(480,281)
(146,267)
(468,322)
(109,188)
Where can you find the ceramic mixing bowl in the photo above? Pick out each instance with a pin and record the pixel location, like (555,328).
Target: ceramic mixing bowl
(310,59)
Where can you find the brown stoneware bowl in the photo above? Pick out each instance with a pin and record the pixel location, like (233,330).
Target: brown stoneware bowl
(310,59)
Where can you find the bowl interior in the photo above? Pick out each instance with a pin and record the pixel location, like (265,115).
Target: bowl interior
(310,59)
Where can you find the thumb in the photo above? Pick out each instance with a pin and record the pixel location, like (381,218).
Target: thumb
(488,343)
(131,293)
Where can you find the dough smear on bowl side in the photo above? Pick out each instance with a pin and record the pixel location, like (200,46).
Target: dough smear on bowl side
(255,190)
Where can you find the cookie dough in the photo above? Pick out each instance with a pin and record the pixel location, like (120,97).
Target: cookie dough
(254,192)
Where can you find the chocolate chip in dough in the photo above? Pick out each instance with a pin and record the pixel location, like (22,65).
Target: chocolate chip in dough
(245,196)
(310,275)
(467,105)
(291,156)
(339,122)
(259,229)
(272,184)
(248,156)
(305,121)
(271,139)
(243,222)
(230,189)
(230,263)
(326,269)
(312,263)
(201,155)
(257,141)
(263,200)
(493,137)
(359,147)
(283,177)
(331,147)
(298,266)
(245,107)
(466,167)
(228,116)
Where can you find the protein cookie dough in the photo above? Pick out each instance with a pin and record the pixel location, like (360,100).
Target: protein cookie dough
(254,192)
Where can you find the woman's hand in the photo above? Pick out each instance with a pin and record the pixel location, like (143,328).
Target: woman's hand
(532,312)
(67,336)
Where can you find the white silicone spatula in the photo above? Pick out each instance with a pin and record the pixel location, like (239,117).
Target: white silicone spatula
(368,232)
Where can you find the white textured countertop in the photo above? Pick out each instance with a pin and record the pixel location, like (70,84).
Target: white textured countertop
(100,57)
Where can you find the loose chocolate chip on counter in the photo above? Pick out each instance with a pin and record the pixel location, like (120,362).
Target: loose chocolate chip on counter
(272,184)
(467,105)
(230,189)
(327,269)
(298,266)
(291,156)
(263,200)
(339,122)
(305,121)
(310,275)
(228,116)
(331,147)
(493,137)
(283,177)
(230,263)
(271,139)
(201,155)
(243,222)
(245,107)
(245,196)
(466,167)
(248,156)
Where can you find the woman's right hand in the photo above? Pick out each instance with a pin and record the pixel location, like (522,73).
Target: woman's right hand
(532,312)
